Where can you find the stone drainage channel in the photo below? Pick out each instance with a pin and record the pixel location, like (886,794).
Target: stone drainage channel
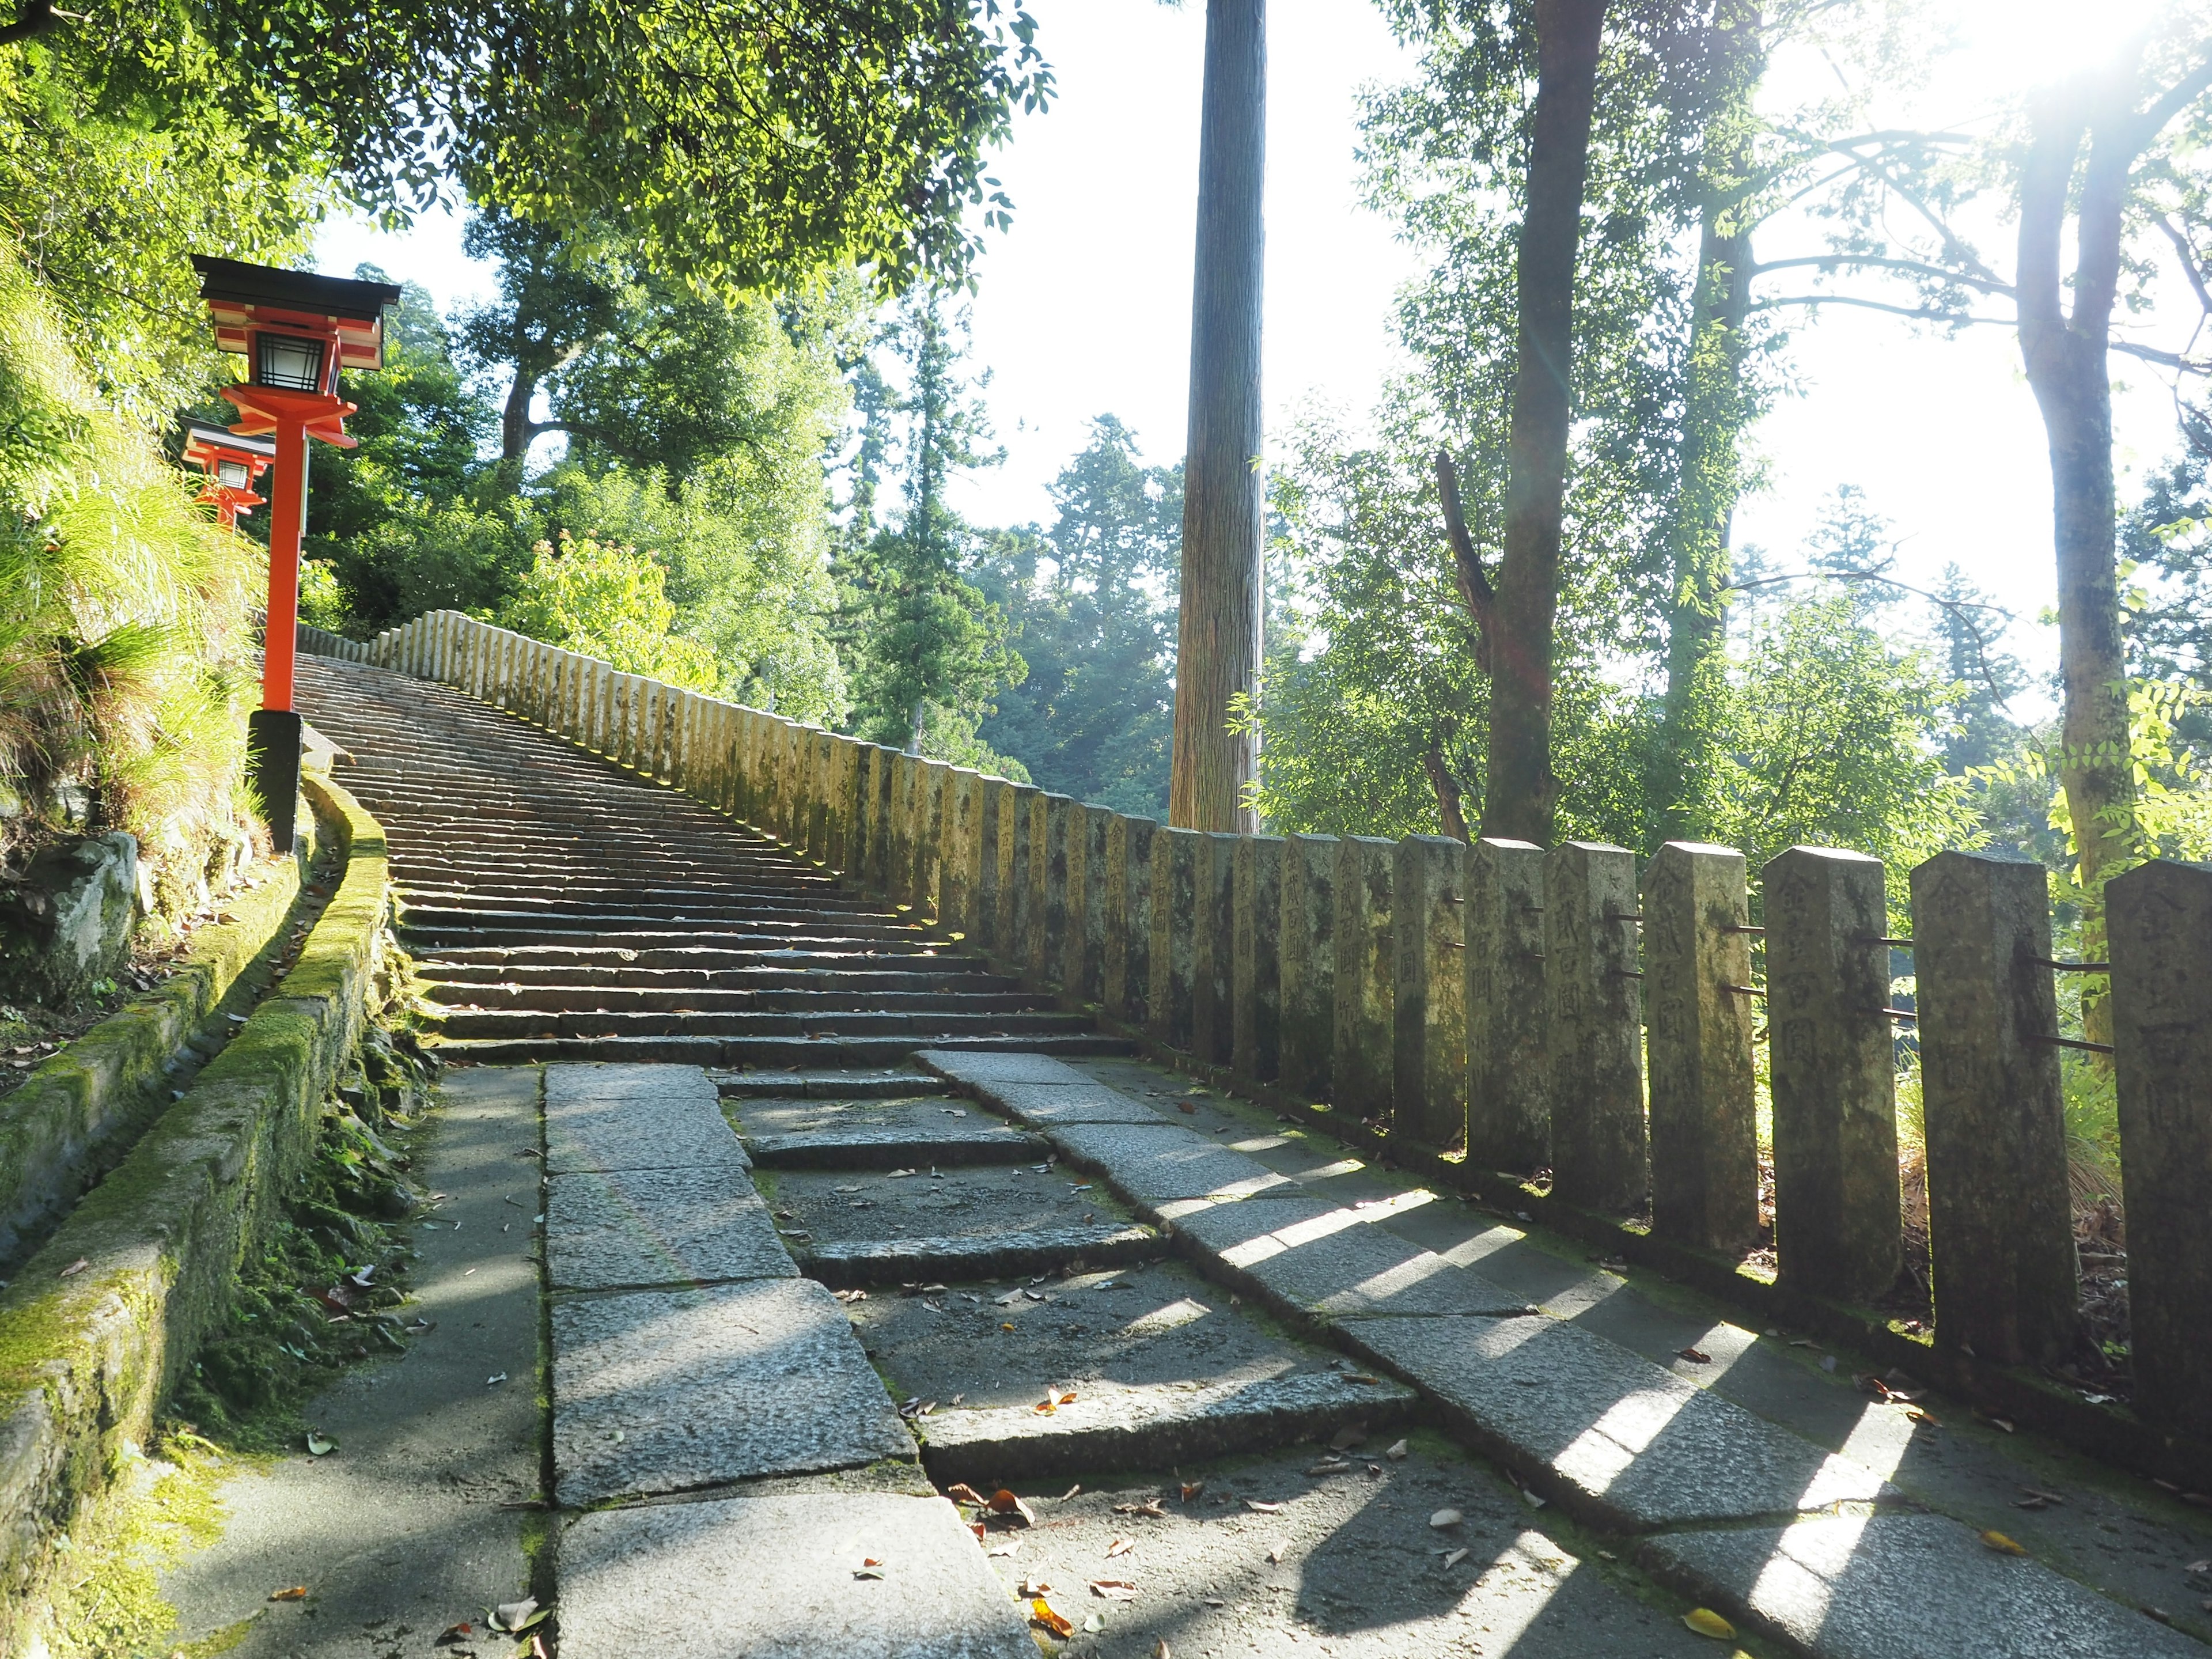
(1242,1406)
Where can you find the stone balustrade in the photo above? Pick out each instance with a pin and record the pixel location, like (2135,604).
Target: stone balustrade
(1534,1011)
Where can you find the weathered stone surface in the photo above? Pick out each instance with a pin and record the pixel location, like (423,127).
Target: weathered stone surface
(67,920)
(1613,1436)
(666,1391)
(1697,975)
(1255,958)
(1366,969)
(1329,1262)
(1833,1072)
(1045,944)
(1127,968)
(1307,965)
(1904,1587)
(990,816)
(1016,878)
(1082,1102)
(1212,942)
(607,1229)
(2159,919)
(2000,1211)
(962,870)
(1109,1428)
(861,1147)
(772,1578)
(1169,1006)
(1508,1008)
(1594,1042)
(1429,1053)
(928,838)
(613,1116)
(845,1263)
(848,1085)
(969,1065)
(1154,1163)
(1083,970)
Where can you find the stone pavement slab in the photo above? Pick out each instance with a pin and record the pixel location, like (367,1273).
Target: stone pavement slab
(1610,1435)
(865,1148)
(608,1230)
(667,1391)
(983,1066)
(1156,1426)
(1157,1165)
(1904,1587)
(635,1117)
(1046,1105)
(1331,1263)
(774,1577)
(848,1085)
(847,1262)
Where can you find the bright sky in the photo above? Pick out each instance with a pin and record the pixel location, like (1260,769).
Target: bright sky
(1084,307)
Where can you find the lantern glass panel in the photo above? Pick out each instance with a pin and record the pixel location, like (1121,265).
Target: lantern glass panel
(289,361)
(232,473)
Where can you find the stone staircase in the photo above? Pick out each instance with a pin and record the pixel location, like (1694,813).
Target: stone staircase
(1201,1382)
(560,908)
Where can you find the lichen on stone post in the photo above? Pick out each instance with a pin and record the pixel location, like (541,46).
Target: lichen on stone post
(1255,959)
(990,816)
(1366,977)
(1600,1155)
(1082,973)
(1306,965)
(1833,1072)
(1018,850)
(1697,1002)
(2158,923)
(1508,1009)
(1429,1076)
(1128,965)
(1174,910)
(960,874)
(1214,922)
(1046,941)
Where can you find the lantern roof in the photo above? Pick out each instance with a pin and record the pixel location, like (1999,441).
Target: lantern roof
(242,297)
(199,435)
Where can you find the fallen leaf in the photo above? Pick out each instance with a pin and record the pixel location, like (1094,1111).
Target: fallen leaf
(1444,1518)
(1918,1414)
(75,1268)
(870,1567)
(495,1379)
(1193,1491)
(1531,1499)
(454,1633)
(2001,1543)
(1114,1589)
(1036,1587)
(1004,1503)
(1150,1507)
(1260,1508)
(961,1493)
(1331,1466)
(1396,1453)
(1041,1613)
(317,1446)
(1004,1547)
(1071,1492)
(2199,1567)
(1160,1650)
(1362,1377)
(897,1175)
(298,1593)
(1094,1623)
(1067,1399)
(1695,1356)
(1185,1106)
(1706,1622)
(1046,1406)
(2003,1423)
(1007,1327)
(1454,1557)
(976,1527)
(1275,1555)
(515,1616)
(1352,1434)
(1119,1547)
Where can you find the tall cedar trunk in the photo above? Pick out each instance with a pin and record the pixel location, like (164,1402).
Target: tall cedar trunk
(1218,651)
(1522,790)
(2066,363)
(514,432)
(1716,408)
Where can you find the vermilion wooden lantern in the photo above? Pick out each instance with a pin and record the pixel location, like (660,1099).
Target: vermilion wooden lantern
(233,465)
(295,330)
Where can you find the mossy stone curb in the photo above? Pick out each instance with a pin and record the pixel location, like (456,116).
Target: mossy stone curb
(63,1126)
(104,1319)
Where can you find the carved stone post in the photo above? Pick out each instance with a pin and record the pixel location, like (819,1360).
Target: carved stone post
(1307,966)
(1214,922)
(1128,960)
(1429,1054)
(1168,1008)
(1599,1156)
(1509,1125)
(1083,969)
(1366,977)
(1255,973)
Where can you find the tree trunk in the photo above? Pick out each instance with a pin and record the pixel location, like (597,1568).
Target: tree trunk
(2066,363)
(1716,406)
(514,433)
(1217,642)
(1521,791)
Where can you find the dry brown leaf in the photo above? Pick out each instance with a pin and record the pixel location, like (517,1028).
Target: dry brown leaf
(1151,1507)
(870,1567)
(976,1527)
(299,1593)
(1067,1399)
(1040,1612)
(1119,1547)
(1187,1106)
(1006,1504)
(1918,1414)
(1160,1650)
(1695,1356)
(961,1493)
(1193,1491)
(1036,1587)
(1114,1589)
(2001,1543)
(1046,1406)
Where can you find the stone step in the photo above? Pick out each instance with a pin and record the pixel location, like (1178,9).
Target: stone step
(892,1149)
(759,936)
(504,1023)
(849,1263)
(725,1052)
(955,976)
(816,999)
(844,1085)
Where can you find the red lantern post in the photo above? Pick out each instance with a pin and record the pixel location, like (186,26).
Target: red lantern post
(295,330)
(233,465)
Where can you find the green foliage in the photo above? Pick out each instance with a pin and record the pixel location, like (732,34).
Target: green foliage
(1093,607)
(748,144)
(123,610)
(607,600)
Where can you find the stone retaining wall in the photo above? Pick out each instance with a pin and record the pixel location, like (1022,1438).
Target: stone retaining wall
(99,1323)
(1513,997)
